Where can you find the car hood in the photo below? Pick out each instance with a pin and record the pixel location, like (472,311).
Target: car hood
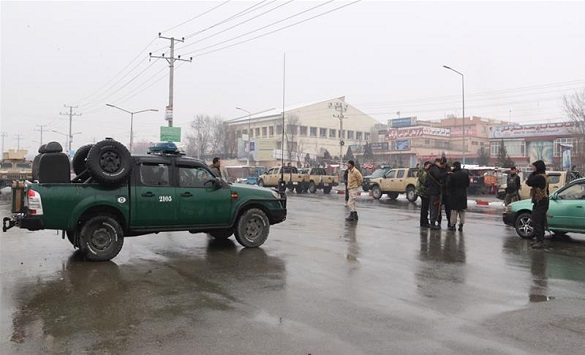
(521,205)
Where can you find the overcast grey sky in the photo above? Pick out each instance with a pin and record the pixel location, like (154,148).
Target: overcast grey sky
(518,58)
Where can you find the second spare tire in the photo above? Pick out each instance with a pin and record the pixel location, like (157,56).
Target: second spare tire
(109,162)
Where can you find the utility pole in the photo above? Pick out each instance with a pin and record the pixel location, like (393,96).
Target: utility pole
(70,114)
(41,130)
(340,107)
(171,60)
(3,134)
(18,138)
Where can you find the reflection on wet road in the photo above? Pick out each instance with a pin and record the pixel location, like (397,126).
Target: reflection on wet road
(319,285)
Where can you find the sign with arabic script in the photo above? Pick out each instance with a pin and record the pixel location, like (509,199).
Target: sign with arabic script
(418,131)
(533,130)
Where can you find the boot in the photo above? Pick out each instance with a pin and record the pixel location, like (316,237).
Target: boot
(352,216)
(451,227)
(435,226)
(460,227)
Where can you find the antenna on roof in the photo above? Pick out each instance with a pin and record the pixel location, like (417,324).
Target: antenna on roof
(281,185)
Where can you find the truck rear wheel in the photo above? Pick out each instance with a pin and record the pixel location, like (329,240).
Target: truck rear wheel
(261,183)
(411,195)
(312,187)
(109,162)
(252,228)
(101,238)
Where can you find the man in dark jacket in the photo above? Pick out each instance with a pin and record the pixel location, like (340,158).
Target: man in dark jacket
(457,184)
(345,172)
(435,182)
(538,182)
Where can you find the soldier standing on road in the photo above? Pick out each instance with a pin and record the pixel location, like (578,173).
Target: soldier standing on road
(512,187)
(421,190)
(436,180)
(346,189)
(538,181)
(216,167)
(354,180)
(457,184)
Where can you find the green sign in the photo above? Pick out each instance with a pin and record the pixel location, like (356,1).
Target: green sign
(170,134)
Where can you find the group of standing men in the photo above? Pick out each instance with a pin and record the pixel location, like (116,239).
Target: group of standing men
(440,185)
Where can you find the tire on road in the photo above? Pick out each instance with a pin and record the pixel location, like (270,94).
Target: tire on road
(261,183)
(523,225)
(109,162)
(252,228)
(327,189)
(312,187)
(101,238)
(376,192)
(411,195)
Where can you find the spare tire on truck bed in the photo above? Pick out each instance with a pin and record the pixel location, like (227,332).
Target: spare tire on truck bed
(79,158)
(109,162)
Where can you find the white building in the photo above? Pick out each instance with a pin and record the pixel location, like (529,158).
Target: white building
(331,125)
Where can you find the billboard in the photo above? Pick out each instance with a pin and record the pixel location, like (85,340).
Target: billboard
(418,131)
(533,130)
(403,122)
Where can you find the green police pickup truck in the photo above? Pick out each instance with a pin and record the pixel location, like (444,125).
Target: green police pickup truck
(116,195)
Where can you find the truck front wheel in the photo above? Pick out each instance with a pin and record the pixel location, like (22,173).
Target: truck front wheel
(376,192)
(252,228)
(101,238)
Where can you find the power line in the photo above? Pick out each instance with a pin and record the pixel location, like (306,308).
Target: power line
(196,17)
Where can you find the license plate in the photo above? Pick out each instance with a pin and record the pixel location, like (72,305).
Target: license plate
(294,182)
(326,184)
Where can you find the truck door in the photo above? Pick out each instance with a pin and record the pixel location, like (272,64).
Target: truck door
(397,184)
(154,203)
(201,202)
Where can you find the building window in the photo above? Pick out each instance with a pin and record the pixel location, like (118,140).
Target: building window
(239,134)
(559,142)
(303,130)
(367,136)
(271,131)
(323,132)
(358,136)
(427,142)
(474,143)
(342,134)
(350,134)
(313,131)
(264,131)
(257,132)
(279,128)
(332,133)
(495,148)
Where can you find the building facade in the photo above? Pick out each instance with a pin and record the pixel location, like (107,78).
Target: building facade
(310,131)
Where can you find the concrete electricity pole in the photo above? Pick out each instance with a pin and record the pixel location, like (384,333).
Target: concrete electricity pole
(171,60)
(3,134)
(340,107)
(70,114)
(41,130)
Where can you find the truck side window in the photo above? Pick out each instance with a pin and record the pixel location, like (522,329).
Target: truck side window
(154,174)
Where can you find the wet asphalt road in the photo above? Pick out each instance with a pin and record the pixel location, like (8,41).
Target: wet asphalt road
(319,285)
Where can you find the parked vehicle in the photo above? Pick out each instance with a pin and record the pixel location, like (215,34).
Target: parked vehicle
(378,173)
(14,166)
(117,195)
(394,182)
(244,174)
(293,180)
(566,212)
(318,179)
(557,179)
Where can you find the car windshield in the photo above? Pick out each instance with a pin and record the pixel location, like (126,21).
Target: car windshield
(379,173)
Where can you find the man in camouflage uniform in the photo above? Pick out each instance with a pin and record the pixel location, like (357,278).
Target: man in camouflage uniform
(421,191)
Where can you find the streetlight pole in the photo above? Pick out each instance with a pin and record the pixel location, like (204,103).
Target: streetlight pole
(131,120)
(463,99)
(249,122)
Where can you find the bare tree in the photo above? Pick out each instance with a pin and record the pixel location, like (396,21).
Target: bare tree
(199,142)
(218,132)
(230,142)
(574,106)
